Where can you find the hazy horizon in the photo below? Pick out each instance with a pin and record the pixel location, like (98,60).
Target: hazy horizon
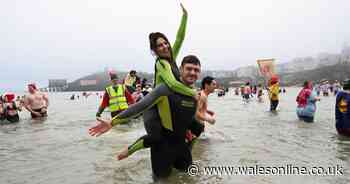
(49,39)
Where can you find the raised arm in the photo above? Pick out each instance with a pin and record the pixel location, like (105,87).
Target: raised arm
(164,71)
(180,36)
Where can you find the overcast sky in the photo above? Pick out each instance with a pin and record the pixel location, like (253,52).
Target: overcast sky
(42,39)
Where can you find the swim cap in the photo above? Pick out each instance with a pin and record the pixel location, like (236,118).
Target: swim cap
(9,97)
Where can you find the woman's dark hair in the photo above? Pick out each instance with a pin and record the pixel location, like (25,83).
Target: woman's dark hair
(306,83)
(153,37)
(207,80)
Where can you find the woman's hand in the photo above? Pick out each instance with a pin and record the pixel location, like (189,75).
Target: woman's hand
(102,127)
(184,11)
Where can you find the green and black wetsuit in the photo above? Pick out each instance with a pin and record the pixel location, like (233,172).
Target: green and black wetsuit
(172,143)
(159,116)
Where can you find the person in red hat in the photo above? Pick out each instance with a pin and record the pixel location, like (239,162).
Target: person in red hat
(274,92)
(116,97)
(36,102)
(10,108)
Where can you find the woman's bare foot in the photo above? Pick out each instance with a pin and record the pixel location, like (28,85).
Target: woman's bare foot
(123,154)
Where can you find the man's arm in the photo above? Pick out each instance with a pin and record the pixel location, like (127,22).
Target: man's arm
(46,99)
(104,104)
(201,111)
(27,106)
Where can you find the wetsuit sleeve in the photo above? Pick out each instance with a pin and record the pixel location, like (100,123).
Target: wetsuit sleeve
(137,145)
(129,97)
(180,36)
(164,71)
(150,100)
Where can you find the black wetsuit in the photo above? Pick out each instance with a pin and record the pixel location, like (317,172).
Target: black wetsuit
(172,150)
(168,147)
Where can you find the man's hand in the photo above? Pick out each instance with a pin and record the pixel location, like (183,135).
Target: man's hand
(211,120)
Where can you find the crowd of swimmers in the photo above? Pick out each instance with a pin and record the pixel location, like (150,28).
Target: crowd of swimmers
(35,102)
(174,112)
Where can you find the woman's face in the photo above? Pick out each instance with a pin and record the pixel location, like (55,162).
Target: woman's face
(163,48)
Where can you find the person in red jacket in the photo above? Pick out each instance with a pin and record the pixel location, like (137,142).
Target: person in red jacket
(116,97)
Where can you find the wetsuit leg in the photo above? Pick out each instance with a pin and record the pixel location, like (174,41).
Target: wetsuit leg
(183,159)
(162,159)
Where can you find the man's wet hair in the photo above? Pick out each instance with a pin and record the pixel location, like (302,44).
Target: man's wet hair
(190,59)
(207,80)
(132,72)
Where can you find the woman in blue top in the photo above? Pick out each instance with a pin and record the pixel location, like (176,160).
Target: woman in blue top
(307,103)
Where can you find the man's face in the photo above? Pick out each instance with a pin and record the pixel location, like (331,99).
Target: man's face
(212,86)
(190,73)
(114,82)
(31,89)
